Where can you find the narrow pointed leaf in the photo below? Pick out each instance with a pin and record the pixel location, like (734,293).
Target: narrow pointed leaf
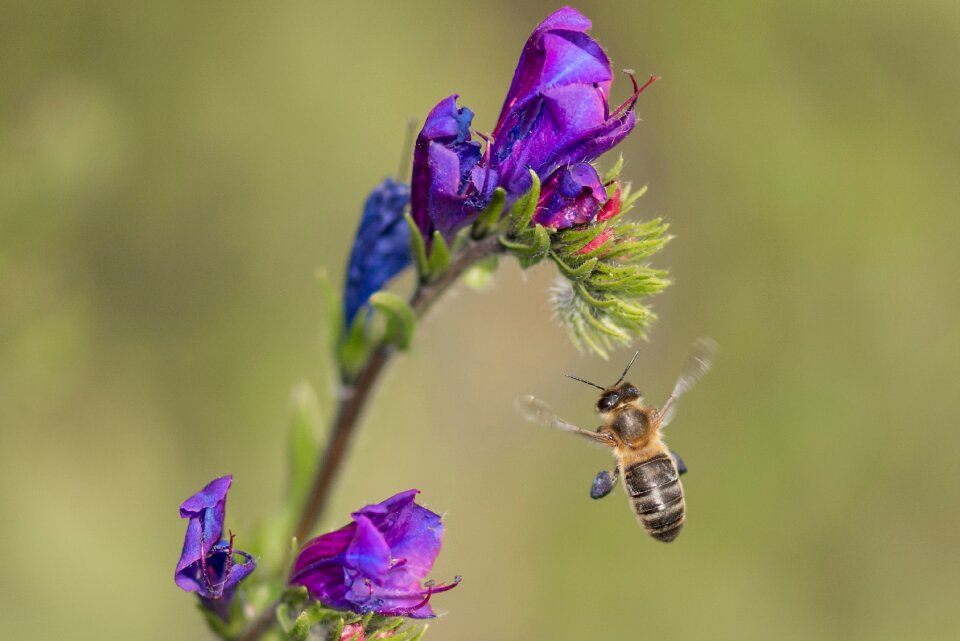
(332,307)
(400,317)
(614,172)
(574,273)
(304,445)
(526,205)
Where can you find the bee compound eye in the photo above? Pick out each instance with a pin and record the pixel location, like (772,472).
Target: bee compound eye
(607,402)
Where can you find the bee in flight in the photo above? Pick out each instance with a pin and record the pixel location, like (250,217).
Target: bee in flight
(631,428)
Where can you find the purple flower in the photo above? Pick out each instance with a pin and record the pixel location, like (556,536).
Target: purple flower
(377,563)
(381,249)
(557,112)
(209,566)
(451,181)
(556,118)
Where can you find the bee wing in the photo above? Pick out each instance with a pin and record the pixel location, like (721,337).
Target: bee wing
(536,411)
(701,358)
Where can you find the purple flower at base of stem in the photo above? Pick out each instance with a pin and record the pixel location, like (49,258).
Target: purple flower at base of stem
(378,562)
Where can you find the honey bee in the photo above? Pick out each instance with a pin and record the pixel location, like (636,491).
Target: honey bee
(631,429)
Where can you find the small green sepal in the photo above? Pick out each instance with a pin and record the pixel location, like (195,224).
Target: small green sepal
(333,306)
(439,257)
(614,171)
(522,211)
(301,618)
(400,318)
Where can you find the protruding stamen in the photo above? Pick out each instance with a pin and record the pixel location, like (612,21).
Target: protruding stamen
(431,589)
(637,90)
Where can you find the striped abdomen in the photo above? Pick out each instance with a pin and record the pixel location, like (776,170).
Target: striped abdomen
(657,496)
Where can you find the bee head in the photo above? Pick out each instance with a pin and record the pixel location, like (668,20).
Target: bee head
(616,396)
(617,393)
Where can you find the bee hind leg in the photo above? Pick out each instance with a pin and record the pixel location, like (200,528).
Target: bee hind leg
(681,466)
(603,483)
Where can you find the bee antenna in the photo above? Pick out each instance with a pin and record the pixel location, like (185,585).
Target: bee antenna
(629,365)
(576,378)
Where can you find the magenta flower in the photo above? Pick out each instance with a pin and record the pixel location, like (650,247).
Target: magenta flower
(557,110)
(209,566)
(378,562)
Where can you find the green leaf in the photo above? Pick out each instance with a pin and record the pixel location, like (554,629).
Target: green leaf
(517,246)
(541,247)
(401,319)
(332,306)
(489,218)
(304,444)
(574,273)
(629,198)
(418,247)
(310,616)
(355,346)
(439,256)
(283,617)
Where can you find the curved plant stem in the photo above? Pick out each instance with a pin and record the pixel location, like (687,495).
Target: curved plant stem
(355,396)
(353,401)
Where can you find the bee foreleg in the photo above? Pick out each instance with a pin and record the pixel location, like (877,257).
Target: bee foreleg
(533,409)
(681,466)
(603,483)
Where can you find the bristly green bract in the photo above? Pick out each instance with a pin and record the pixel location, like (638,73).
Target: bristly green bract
(603,270)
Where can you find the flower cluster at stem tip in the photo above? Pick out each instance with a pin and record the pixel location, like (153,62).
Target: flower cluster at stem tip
(556,120)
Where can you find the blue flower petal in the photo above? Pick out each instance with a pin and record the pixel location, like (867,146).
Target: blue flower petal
(381,249)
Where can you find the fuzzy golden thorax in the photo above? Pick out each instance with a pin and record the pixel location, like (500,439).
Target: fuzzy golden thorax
(633,424)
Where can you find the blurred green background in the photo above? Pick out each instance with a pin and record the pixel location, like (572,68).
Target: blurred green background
(172,174)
